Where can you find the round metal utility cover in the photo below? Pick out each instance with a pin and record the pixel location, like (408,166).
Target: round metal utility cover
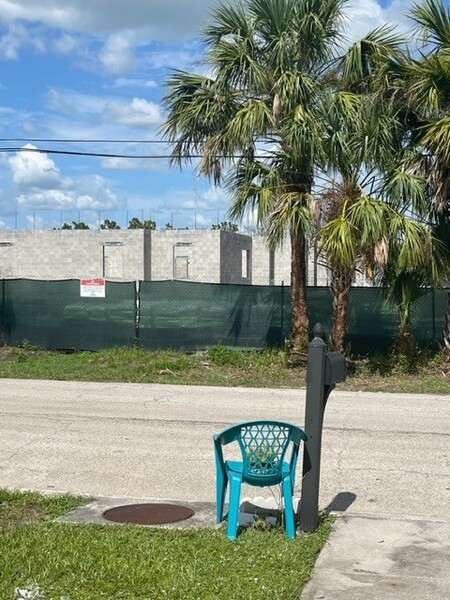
(148,514)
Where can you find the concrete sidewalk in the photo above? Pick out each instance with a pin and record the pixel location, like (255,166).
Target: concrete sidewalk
(374,559)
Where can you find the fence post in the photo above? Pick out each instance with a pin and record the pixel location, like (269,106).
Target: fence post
(3,309)
(433,313)
(137,311)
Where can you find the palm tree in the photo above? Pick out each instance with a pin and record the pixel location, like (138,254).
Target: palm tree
(401,251)
(375,139)
(419,84)
(363,136)
(258,112)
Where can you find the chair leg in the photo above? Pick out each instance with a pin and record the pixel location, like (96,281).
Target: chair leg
(288,508)
(221,489)
(233,511)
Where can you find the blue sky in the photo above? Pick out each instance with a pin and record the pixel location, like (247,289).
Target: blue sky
(84,69)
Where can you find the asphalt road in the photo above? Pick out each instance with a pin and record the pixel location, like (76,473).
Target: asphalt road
(389,453)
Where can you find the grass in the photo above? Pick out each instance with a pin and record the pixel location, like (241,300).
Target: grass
(19,508)
(420,373)
(83,562)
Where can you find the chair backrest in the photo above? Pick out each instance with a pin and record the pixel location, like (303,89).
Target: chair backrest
(263,446)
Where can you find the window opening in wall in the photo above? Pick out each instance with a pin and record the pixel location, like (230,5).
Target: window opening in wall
(245,263)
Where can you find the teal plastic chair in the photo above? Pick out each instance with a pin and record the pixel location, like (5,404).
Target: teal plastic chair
(264,446)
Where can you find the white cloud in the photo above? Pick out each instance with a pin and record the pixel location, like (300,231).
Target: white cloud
(92,193)
(126,26)
(39,184)
(136,164)
(36,170)
(95,193)
(66,44)
(216,196)
(137,113)
(200,221)
(181,59)
(70,103)
(117,55)
(122,164)
(95,110)
(366,15)
(210,199)
(159,19)
(13,40)
(123,82)
(28,126)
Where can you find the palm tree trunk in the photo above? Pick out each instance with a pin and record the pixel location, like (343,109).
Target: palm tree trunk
(405,343)
(340,287)
(300,320)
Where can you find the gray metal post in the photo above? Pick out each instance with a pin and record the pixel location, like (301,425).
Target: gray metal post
(315,406)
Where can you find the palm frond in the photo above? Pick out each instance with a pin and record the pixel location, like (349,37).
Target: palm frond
(228,21)
(429,83)
(413,241)
(433,22)
(368,216)
(253,185)
(292,211)
(437,137)
(403,187)
(338,241)
(360,60)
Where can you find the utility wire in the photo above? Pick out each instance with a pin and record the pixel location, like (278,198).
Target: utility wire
(111,155)
(85,141)
(95,154)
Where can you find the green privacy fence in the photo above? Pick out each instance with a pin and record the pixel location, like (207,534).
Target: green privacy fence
(191,316)
(52,315)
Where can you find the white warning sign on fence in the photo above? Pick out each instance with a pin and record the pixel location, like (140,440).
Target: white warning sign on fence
(92,287)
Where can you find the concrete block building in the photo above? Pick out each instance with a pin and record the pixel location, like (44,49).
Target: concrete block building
(73,254)
(210,256)
(127,254)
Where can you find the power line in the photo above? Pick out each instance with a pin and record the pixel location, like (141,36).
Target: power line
(94,154)
(85,141)
(113,155)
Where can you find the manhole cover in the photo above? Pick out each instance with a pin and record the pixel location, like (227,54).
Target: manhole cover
(148,514)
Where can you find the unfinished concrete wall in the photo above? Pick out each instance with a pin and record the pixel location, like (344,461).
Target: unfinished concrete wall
(72,254)
(276,269)
(271,267)
(186,254)
(212,256)
(235,258)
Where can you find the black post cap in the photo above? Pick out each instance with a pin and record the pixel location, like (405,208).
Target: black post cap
(319,330)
